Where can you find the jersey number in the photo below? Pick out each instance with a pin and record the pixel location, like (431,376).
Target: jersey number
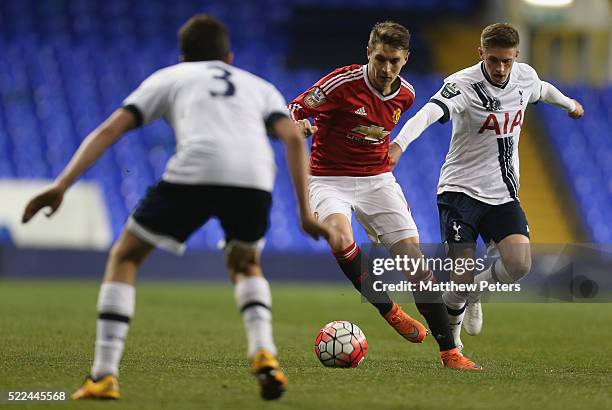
(225,76)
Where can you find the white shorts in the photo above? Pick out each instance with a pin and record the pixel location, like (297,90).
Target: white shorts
(378,202)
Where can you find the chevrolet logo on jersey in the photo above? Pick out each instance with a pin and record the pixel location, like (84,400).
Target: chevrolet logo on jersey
(372,133)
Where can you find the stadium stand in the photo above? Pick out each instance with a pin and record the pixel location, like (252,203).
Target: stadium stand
(586,154)
(66,65)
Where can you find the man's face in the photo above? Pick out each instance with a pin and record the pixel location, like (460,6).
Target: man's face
(498,62)
(384,64)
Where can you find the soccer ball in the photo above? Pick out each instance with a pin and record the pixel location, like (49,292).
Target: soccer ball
(341,344)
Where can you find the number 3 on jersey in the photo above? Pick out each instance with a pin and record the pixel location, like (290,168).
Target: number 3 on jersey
(225,76)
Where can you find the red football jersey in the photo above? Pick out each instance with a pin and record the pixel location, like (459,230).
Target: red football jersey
(354,120)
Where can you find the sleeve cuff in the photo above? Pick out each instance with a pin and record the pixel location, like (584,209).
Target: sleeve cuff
(440,104)
(272,118)
(136,113)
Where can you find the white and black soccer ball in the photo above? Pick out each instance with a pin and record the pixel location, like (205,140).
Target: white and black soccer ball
(341,344)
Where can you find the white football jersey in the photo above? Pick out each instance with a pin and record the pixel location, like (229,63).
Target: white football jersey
(218,113)
(483,160)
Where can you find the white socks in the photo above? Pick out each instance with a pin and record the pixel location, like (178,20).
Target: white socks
(454,300)
(115,309)
(493,274)
(254,300)
(116,303)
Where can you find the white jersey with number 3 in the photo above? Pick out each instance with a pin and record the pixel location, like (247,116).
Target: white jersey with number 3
(483,160)
(218,113)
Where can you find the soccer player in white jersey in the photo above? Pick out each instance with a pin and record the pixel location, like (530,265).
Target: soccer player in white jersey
(479,181)
(223,163)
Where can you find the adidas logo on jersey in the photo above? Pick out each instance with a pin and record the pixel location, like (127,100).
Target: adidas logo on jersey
(361,111)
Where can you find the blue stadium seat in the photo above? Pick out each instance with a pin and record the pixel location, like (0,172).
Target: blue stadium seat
(585,152)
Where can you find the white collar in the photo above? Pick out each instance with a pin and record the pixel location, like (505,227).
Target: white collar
(374,90)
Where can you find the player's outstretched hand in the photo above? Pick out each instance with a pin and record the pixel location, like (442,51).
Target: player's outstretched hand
(50,197)
(395,152)
(578,112)
(306,128)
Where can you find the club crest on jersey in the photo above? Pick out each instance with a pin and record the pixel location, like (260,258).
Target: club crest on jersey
(396,115)
(450,90)
(372,134)
(315,98)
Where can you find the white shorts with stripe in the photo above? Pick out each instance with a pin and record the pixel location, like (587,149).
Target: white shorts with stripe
(378,202)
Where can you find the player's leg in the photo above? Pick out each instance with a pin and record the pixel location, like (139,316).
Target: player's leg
(330,199)
(456,301)
(161,219)
(384,212)
(116,302)
(350,259)
(473,319)
(254,299)
(505,225)
(244,233)
(459,218)
(400,245)
(430,304)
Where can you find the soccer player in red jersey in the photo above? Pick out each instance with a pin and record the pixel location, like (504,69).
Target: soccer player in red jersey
(354,110)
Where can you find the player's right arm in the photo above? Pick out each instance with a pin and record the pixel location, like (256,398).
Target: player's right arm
(322,97)
(448,99)
(147,103)
(413,128)
(92,147)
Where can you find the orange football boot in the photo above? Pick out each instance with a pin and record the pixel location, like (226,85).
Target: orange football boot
(453,359)
(409,328)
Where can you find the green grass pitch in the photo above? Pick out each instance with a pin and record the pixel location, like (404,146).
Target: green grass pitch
(186,349)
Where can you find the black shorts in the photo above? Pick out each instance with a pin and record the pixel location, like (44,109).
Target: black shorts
(169,213)
(463,218)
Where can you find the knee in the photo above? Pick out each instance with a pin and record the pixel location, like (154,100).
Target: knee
(422,276)
(517,268)
(243,262)
(120,253)
(341,242)
(129,249)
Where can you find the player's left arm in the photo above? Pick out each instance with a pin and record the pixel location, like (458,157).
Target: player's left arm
(551,95)
(281,127)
